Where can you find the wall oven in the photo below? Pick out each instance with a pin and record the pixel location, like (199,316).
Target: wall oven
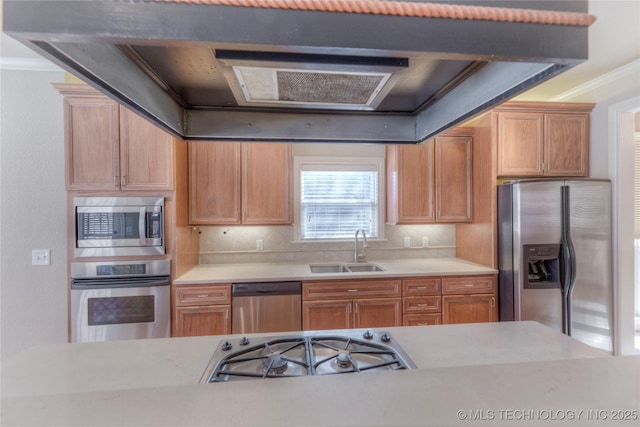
(120,300)
(118,226)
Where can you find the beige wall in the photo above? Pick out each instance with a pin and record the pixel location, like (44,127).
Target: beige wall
(33,299)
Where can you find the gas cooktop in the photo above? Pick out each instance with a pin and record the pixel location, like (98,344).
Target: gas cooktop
(308,353)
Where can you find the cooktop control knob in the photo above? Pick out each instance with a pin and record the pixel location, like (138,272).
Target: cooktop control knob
(227,346)
(385,337)
(367,335)
(244,341)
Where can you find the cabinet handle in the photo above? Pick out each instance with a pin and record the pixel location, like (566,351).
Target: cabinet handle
(421,287)
(352,290)
(356,307)
(203,296)
(123,180)
(422,305)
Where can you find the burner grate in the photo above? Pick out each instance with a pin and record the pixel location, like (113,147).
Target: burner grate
(303,356)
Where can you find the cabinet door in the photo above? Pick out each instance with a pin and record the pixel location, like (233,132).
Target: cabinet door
(202,320)
(266,183)
(454,192)
(566,144)
(92,143)
(214,182)
(377,313)
(410,183)
(520,144)
(469,308)
(146,154)
(319,315)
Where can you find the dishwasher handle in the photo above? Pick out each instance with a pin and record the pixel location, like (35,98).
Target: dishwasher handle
(266,289)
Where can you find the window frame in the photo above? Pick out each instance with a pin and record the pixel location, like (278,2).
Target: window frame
(378,163)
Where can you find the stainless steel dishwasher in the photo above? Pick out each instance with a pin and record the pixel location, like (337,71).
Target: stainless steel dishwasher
(266,307)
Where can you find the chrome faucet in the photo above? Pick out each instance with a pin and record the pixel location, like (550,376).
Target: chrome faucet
(359,256)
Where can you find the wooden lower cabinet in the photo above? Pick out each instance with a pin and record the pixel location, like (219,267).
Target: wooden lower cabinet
(346,314)
(377,313)
(469,299)
(421,301)
(344,304)
(317,315)
(469,308)
(203,320)
(201,310)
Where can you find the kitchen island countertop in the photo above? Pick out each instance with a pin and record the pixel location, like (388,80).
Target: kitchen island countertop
(491,372)
(247,272)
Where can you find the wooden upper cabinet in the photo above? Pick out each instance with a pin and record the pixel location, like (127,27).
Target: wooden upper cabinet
(537,139)
(108,147)
(431,182)
(92,139)
(410,183)
(566,144)
(266,183)
(146,154)
(239,183)
(520,145)
(214,182)
(454,191)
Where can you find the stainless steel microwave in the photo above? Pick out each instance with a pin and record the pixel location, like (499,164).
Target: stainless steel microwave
(118,226)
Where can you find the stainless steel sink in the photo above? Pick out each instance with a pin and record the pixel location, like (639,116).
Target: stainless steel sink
(344,268)
(328,268)
(356,268)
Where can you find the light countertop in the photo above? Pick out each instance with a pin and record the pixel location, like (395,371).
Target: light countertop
(235,273)
(481,369)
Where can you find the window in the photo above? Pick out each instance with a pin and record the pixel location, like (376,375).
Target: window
(336,197)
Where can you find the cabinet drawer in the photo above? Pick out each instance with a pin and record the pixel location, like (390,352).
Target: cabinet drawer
(421,304)
(421,319)
(351,289)
(202,295)
(421,286)
(468,285)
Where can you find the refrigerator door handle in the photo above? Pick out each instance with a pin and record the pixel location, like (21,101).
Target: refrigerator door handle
(567,262)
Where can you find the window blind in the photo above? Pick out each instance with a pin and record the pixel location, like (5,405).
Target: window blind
(335,203)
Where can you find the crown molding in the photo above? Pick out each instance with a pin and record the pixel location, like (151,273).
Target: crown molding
(619,73)
(16,63)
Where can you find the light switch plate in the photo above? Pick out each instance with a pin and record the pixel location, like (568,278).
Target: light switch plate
(425,242)
(406,242)
(259,245)
(40,257)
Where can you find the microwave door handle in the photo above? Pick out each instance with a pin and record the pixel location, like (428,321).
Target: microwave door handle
(142,225)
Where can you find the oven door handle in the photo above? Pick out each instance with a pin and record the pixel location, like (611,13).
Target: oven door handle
(127,282)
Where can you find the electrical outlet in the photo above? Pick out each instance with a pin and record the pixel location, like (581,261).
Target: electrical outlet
(406,242)
(40,257)
(425,242)
(259,245)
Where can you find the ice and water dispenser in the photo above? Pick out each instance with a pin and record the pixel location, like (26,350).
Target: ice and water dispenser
(541,262)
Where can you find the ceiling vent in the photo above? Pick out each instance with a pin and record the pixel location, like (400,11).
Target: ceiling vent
(264,79)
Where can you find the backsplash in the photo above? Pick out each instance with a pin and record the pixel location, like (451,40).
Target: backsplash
(229,244)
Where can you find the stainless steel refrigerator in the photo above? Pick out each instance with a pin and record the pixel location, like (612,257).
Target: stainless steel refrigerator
(555,256)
